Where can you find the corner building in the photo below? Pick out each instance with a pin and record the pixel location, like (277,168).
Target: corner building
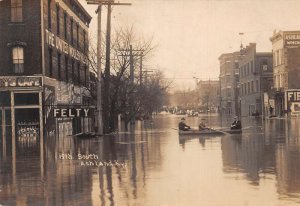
(286,75)
(43,65)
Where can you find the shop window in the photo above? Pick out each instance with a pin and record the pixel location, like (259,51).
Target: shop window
(4,99)
(26,99)
(16,11)
(18,59)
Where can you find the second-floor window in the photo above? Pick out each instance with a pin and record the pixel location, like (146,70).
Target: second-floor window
(67,68)
(16,11)
(59,65)
(50,63)
(71,32)
(65,25)
(18,59)
(57,20)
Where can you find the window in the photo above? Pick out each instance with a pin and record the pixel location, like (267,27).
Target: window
(248,87)
(50,63)
(277,58)
(16,11)
(257,86)
(282,56)
(77,35)
(26,98)
(85,75)
(71,32)
(252,69)
(65,25)
(57,20)
(248,69)
(59,65)
(78,72)
(67,68)
(18,59)
(73,72)
(84,43)
(49,14)
(252,86)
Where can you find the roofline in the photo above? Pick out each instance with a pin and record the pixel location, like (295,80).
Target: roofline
(83,9)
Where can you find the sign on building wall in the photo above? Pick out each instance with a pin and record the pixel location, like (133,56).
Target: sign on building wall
(71,112)
(292,40)
(292,101)
(62,46)
(18,81)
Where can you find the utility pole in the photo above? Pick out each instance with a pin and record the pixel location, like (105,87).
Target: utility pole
(99,75)
(106,85)
(141,69)
(131,63)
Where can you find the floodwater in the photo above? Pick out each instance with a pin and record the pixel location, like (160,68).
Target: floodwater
(153,166)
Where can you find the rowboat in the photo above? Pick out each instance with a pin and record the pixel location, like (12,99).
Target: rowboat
(202,132)
(233,131)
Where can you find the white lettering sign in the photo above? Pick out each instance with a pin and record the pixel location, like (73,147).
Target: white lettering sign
(71,112)
(64,47)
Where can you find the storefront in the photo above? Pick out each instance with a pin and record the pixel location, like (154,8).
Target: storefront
(21,108)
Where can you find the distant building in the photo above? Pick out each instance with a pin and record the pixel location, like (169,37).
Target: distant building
(229,77)
(286,67)
(256,81)
(208,94)
(44,65)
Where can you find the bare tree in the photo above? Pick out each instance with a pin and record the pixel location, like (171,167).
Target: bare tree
(122,89)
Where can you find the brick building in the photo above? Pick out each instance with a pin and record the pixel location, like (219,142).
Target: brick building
(286,65)
(44,66)
(229,78)
(208,94)
(256,80)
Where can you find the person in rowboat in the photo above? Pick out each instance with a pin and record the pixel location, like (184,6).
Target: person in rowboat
(202,126)
(182,126)
(236,124)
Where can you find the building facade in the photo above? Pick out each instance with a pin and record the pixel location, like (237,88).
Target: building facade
(255,81)
(208,94)
(229,78)
(286,65)
(44,73)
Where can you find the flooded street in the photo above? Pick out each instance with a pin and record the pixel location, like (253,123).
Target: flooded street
(154,166)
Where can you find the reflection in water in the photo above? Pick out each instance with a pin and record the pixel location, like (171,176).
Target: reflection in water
(155,166)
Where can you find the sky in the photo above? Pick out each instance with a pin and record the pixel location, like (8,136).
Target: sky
(191,34)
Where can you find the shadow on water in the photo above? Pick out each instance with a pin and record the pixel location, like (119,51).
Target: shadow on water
(153,165)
